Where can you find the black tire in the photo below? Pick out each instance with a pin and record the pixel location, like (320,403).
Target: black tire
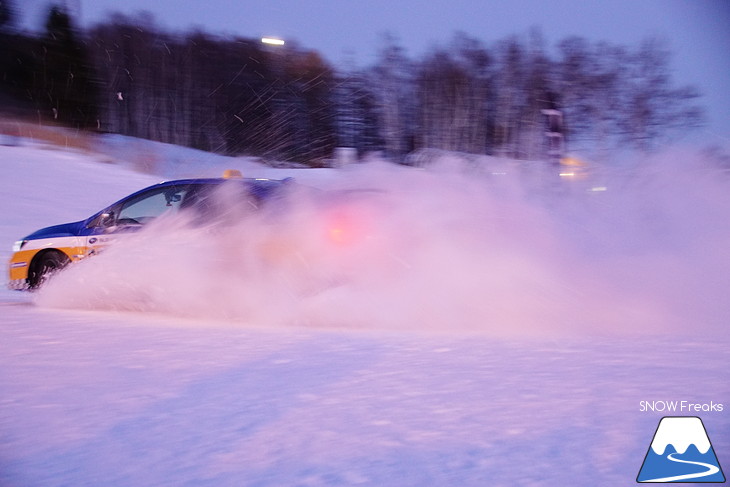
(44,266)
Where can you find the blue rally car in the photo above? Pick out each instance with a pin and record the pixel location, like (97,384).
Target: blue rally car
(48,250)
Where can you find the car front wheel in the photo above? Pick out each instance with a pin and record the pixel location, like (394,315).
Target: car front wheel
(44,266)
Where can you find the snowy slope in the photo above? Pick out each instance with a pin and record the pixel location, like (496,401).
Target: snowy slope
(509,343)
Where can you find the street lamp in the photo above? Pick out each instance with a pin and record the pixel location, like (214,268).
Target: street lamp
(273,41)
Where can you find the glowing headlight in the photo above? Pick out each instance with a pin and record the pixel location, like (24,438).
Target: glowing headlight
(19,245)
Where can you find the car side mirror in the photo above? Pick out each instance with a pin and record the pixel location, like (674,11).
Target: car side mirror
(107,219)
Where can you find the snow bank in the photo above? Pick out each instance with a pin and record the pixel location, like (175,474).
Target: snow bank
(501,249)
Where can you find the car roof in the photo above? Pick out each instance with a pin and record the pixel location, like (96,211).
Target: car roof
(251,182)
(181,182)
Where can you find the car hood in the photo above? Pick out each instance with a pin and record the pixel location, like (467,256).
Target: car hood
(64,230)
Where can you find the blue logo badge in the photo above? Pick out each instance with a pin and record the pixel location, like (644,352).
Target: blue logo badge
(680,452)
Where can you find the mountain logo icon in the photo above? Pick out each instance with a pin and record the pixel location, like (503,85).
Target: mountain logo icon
(680,452)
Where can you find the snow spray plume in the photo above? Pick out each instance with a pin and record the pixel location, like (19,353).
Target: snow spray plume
(496,249)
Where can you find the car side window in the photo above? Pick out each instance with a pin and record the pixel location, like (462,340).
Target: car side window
(149,206)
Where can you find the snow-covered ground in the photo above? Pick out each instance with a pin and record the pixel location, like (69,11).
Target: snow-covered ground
(496,330)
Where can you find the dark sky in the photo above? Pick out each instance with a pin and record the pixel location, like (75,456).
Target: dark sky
(698,31)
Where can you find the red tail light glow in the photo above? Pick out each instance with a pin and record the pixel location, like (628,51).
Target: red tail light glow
(338,235)
(343,230)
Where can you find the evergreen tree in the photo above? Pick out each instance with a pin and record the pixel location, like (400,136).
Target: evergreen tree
(66,92)
(7,15)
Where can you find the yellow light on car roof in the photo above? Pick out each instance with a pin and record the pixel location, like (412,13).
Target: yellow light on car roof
(232,174)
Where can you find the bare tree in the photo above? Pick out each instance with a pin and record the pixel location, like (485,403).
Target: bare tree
(655,110)
(453,89)
(393,77)
(539,95)
(509,101)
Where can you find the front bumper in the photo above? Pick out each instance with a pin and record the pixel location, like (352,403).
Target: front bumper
(18,284)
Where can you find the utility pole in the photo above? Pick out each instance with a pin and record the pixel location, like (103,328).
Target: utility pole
(554,138)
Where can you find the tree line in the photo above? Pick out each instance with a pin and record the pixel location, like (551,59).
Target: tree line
(237,96)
